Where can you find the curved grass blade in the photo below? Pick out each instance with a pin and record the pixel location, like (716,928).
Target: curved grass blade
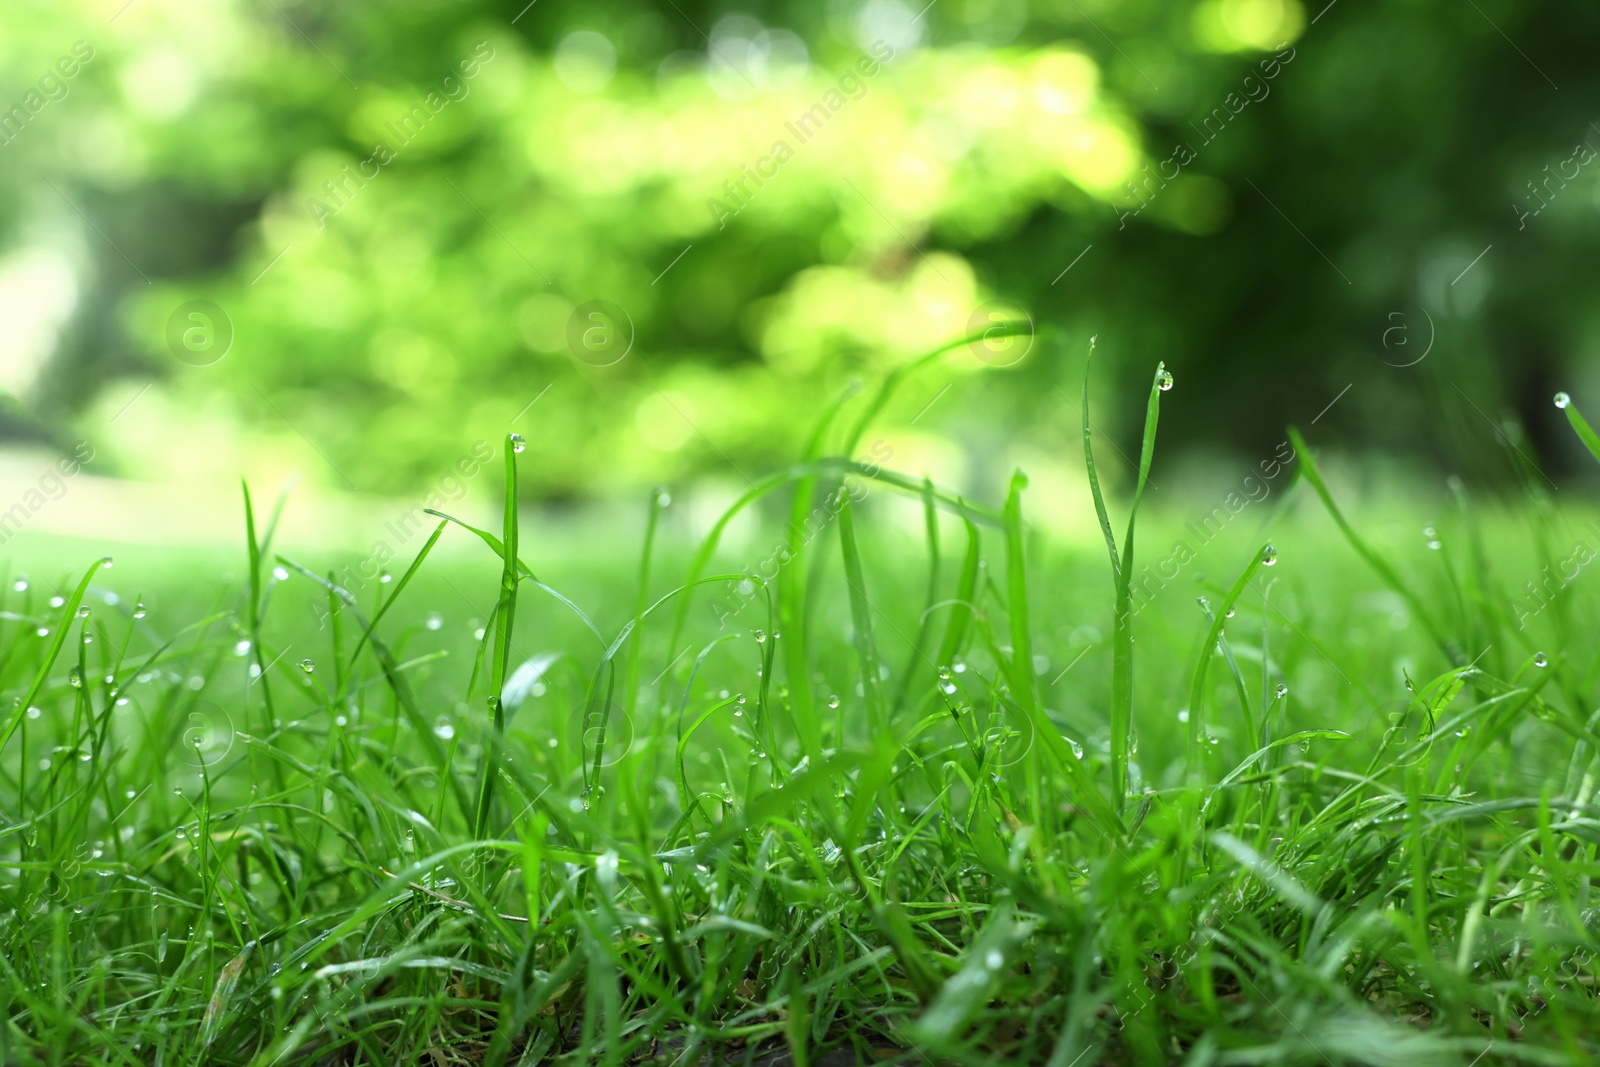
(791,588)
(1025,696)
(861,621)
(1390,578)
(395,677)
(930,519)
(778,479)
(630,691)
(1197,681)
(405,579)
(68,612)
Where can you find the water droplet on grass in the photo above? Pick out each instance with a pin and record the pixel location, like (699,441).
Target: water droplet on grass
(833,702)
(241,648)
(308,666)
(281,573)
(138,610)
(1164,380)
(517,443)
(1282,690)
(1539,659)
(1269,556)
(21,585)
(761,636)
(434,620)
(1562,400)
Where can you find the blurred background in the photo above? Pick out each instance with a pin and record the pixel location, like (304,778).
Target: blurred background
(352,246)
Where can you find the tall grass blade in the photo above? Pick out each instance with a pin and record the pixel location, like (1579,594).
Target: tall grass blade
(504,619)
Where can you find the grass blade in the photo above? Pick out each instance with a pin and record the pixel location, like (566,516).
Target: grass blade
(504,618)
(861,621)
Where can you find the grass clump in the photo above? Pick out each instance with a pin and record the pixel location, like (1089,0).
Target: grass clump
(863,820)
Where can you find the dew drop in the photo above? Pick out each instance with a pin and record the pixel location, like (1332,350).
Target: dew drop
(1077,749)
(105,564)
(138,610)
(308,666)
(761,636)
(1539,659)
(833,702)
(241,648)
(75,678)
(1562,400)
(83,613)
(1183,714)
(43,631)
(517,443)
(1164,380)
(1269,556)
(281,573)
(57,601)
(443,730)
(994,960)
(21,585)
(434,620)
(1282,690)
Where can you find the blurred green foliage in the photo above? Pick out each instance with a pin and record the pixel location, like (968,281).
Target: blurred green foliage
(405,210)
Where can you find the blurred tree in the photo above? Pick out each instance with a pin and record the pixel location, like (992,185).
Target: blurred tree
(407,210)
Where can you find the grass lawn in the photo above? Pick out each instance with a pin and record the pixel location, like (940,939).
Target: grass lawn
(934,787)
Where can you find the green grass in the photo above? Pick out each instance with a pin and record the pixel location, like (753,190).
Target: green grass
(1343,813)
